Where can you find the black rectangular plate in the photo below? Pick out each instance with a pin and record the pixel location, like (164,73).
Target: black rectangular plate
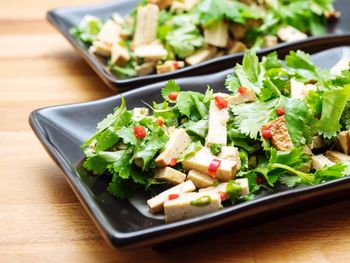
(65,18)
(62,129)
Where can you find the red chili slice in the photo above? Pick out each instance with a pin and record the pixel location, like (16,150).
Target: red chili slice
(175,65)
(140,132)
(220,102)
(173,162)
(173,95)
(223,196)
(266,133)
(280,111)
(213,167)
(242,90)
(160,121)
(173,196)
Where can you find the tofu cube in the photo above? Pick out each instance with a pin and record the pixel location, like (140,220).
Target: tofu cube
(248,96)
(290,34)
(222,188)
(170,175)
(146,25)
(319,161)
(270,41)
(343,142)
(120,55)
(109,33)
(280,136)
(202,159)
(169,66)
(141,112)
(177,144)
(217,34)
(217,125)
(155,204)
(299,90)
(152,52)
(201,55)
(337,156)
(230,153)
(191,205)
(101,49)
(237,47)
(317,143)
(200,180)
(145,68)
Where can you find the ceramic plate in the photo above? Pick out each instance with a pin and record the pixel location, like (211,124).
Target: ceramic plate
(65,18)
(127,223)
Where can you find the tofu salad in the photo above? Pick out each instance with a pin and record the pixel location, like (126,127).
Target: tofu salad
(161,36)
(278,124)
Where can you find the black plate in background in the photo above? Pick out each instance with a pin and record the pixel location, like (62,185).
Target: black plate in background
(62,129)
(64,18)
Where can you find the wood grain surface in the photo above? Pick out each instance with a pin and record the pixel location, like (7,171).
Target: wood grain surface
(41,220)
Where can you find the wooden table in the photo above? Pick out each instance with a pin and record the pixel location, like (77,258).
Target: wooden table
(41,220)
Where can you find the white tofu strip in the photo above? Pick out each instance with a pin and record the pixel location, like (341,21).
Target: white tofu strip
(222,188)
(217,125)
(202,160)
(120,55)
(342,64)
(299,90)
(289,34)
(151,52)
(146,25)
(201,55)
(343,142)
(145,68)
(319,161)
(217,34)
(170,175)
(101,49)
(177,144)
(248,96)
(337,156)
(200,180)
(155,204)
(109,33)
(237,46)
(191,205)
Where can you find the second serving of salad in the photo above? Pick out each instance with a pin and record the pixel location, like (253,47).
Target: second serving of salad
(279,124)
(161,36)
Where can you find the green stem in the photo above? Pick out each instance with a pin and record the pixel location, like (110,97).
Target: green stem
(309,178)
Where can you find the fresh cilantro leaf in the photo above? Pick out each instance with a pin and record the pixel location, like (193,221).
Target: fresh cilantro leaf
(334,102)
(87,30)
(185,40)
(170,86)
(98,163)
(249,118)
(197,129)
(128,135)
(215,148)
(298,120)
